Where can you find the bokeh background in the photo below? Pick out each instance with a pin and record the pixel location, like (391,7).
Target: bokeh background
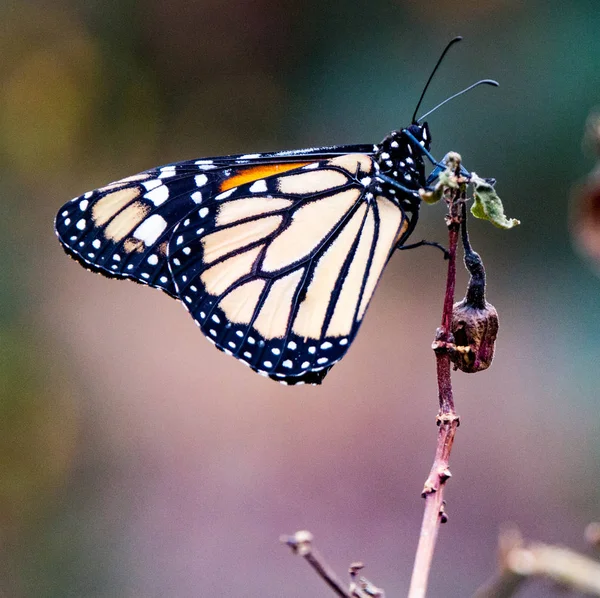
(137,461)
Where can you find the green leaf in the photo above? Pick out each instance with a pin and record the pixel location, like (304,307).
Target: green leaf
(488,206)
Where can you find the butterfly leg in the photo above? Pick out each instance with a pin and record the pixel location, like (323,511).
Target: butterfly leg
(424,243)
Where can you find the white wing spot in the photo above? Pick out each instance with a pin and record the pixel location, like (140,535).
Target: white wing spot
(145,275)
(164,279)
(117,257)
(184,278)
(287,363)
(196,197)
(311,166)
(179,240)
(312,349)
(203,212)
(344,341)
(305,365)
(159,195)
(326,345)
(225,194)
(81,224)
(65,213)
(83,204)
(213,332)
(248,355)
(150,229)
(322,360)
(249,156)
(216,319)
(151,184)
(167,171)
(200,180)
(239,333)
(96,243)
(153,259)
(193,289)
(202,315)
(188,299)
(88,194)
(267,364)
(231,344)
(187,250)
(292,345)
(199,231)
(130,267)
(91,256)
(251,340)
(258,187)
(366,181)
(67,221)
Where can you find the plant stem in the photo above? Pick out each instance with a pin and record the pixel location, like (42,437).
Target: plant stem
(302,543)
(447,420)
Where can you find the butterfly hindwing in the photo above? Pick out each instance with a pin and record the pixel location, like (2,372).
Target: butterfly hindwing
(278,271)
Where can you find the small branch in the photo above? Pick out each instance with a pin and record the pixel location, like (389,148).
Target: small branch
(447,420)
(302,543)
(519,563)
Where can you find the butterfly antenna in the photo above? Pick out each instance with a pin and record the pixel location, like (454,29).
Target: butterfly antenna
(435,68)
(482,82)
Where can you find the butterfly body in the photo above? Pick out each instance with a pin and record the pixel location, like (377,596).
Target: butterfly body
(275,256)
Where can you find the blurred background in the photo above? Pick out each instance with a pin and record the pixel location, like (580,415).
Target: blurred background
(136,460)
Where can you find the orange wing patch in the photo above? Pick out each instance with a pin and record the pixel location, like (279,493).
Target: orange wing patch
(248,174)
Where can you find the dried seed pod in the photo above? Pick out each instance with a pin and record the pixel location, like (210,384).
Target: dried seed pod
(475,330)
(474,320)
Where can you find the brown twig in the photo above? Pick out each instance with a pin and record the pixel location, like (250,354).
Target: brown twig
(447,420)
(301,543)
(520,562)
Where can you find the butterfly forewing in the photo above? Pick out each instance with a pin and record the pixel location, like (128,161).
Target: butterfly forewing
(278,271)
(121,230)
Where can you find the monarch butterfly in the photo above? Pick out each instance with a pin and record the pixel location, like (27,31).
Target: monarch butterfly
(275,255)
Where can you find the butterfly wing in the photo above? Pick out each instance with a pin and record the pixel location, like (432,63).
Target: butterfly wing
(278,271)
(122,230)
